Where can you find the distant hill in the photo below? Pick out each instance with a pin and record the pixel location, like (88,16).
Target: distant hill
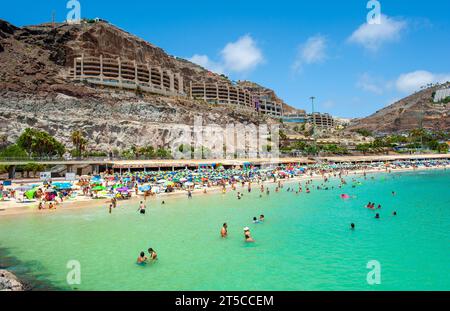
(412,112)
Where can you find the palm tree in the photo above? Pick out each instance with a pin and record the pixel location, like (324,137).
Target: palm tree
(78,141)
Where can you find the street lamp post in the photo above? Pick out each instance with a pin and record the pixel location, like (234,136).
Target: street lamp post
(313,120)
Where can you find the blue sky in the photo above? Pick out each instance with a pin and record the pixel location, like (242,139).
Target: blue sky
(298,48)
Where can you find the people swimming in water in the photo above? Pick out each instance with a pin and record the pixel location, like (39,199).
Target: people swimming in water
(153,254)
(110,208)
(352,226)
(394,213)
(141,208)
(377,216)
(224,230)
(248,236)
(261,218)
(142,259)
(255,220)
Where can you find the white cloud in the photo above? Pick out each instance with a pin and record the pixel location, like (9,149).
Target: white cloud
(413,81)
(205,62)
(328,104)
(373,36)
(370,84)
(313,51)
(240,56)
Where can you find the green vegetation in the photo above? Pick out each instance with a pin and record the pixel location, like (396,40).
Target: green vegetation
(147,152)
(40,143)
(313,149)
(364,132)
(79,143)
(13,151)
(415,139)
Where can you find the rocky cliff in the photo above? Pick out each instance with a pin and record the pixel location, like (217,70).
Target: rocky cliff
(409,113)
(34,90)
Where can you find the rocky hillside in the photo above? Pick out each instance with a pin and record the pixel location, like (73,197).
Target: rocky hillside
(408,113)
(34,90)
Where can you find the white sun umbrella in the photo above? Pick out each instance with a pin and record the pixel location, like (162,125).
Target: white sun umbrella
(155,190)
(189,184)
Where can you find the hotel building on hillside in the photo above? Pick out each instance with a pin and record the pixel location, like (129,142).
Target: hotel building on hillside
(127,74)
(226,93)
(321,120)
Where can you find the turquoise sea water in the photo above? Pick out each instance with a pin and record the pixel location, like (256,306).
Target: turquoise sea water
(305,243)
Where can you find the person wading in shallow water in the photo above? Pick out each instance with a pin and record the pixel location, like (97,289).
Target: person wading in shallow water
(247,235)
(224,231)
(141,208)
(152,253)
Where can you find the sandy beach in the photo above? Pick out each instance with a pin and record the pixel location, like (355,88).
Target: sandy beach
(12,208)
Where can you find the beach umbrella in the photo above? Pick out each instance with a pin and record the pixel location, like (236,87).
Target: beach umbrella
(23,188)
(145,188)
(30,194)
(98,188)
(124,189)
(62,186)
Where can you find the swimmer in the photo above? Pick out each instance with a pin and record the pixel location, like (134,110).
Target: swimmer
(352,226)
(255,220)
(379,206)
(261,218)
(394,213)
(224,231)
(377,216)
(142,258)
(393,193)
(152,253)
(141,208)
(189,194)
(247,235)
(163,202)
(110,208)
